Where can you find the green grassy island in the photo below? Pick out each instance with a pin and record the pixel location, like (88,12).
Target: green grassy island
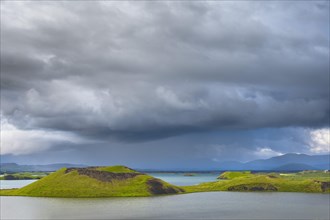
(123,181)
(95,182)
(306,181)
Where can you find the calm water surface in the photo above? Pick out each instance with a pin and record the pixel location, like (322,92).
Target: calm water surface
(9,184)
(180,180)
(210,205)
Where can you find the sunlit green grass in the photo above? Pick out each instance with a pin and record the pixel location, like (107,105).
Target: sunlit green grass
(234,174)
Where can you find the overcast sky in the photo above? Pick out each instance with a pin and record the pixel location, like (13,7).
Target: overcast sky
(163,84)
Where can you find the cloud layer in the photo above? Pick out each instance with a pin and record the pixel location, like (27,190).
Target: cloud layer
(19,142)
(142,71)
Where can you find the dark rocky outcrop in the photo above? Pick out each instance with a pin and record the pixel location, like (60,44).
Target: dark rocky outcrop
(157,187)
(325,186)
(253,187)
(103,176)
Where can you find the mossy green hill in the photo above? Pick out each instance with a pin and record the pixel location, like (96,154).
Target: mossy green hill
(313,182)
(95,182)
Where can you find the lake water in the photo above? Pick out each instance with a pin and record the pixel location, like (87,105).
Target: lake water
(209,205)
(180,180)
(9,184)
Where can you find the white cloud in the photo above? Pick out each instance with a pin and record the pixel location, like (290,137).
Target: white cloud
(16,141)
(320,141)
(266,152)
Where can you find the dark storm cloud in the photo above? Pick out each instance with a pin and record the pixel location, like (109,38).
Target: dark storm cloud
(148,70)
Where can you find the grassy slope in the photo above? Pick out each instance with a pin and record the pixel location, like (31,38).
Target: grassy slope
(61,184)
(234,174)
(284,183)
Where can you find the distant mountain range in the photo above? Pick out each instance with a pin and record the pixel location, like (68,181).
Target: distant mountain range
(286,162)
(14,167)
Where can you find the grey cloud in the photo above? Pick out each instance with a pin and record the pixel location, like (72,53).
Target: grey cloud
(148,70)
